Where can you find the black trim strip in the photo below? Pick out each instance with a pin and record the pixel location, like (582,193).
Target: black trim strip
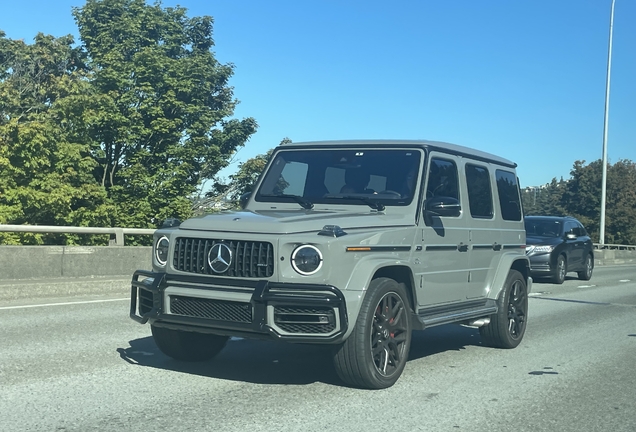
(211,287)
(519,246)
(444,309)
(380,248)
(482,247)
(174,279)
(441,248)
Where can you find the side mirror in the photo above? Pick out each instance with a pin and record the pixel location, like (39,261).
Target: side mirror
(171,223)
(442,206)
(571,236)
(244,199)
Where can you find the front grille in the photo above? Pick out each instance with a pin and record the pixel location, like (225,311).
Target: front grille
(212,309)
(250,259)
(307,320)
(145,301)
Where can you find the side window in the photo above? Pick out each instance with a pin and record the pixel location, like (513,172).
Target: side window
(581,229)
(508,195)
(479,191)
(442,179)
(571,228)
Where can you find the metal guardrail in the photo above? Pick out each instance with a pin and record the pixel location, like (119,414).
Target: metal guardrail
(600,246)
(116,234)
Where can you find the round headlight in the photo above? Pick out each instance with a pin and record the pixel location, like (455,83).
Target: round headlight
(161,250)
(306,259)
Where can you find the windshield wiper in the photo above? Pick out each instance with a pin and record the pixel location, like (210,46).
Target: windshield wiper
(306,204)
(376,205)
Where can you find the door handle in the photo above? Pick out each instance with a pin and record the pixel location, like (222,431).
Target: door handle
(462,247)
(496,247)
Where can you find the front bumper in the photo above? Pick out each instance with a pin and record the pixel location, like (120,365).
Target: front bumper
(256,309)
(541,265)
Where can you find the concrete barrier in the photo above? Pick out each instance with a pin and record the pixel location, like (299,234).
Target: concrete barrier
(28,273)
(614,257)
(42,262)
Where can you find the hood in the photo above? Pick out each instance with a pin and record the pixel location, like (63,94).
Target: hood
(547,241)
(293,221)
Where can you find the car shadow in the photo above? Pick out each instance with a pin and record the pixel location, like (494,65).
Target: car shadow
(548,280)
(274,362)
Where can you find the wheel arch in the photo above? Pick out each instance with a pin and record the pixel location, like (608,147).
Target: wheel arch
(402,274)
(521,263)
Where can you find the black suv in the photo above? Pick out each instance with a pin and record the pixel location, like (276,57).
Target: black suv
(557,245)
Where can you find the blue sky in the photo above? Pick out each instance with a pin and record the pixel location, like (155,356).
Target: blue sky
(522,79)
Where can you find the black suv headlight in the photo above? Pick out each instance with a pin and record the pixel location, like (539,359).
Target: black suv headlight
(306,259)
(161,250)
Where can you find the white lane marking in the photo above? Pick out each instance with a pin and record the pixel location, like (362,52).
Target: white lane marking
(586,286)
(63,304)
(624,280)
(535,294)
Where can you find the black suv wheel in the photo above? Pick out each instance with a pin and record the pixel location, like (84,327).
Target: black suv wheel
(588,268)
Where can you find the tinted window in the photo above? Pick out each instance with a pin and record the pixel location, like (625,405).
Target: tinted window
(572,228)
(508,195)
(442,179)
(479,192)
(581,229)
(543,227)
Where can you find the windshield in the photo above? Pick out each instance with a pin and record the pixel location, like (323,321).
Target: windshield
(543,228)
(325,176)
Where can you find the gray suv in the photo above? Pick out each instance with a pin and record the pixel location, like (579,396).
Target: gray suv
(354,244)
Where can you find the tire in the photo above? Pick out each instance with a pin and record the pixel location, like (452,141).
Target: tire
(374,355)
(187,346)
(586,273)
(560,270)
(508,325)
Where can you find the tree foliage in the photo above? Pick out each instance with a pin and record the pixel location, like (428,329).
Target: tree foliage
(161,126)
(226,194)
(45,165)
(118,131)
(580,196)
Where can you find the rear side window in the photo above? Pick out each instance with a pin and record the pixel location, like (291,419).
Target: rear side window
(509,199)
(581,229)
(479,191)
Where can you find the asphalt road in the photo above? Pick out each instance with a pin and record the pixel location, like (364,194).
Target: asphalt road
(80,364)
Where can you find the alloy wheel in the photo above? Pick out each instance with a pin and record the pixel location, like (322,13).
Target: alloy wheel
(389,334)
(561,269)
(516,310)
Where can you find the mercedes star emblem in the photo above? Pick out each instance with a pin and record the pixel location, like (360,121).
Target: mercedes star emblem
(220,258)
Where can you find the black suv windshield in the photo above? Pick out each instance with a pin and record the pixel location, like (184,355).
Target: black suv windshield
(373,177)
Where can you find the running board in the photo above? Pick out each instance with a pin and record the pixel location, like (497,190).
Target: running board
(456,315)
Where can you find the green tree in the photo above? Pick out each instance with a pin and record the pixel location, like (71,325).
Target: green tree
(162,103)
(45,166)
(583,199)
(546,199)
(226,194)
(621,203)
(580,196)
